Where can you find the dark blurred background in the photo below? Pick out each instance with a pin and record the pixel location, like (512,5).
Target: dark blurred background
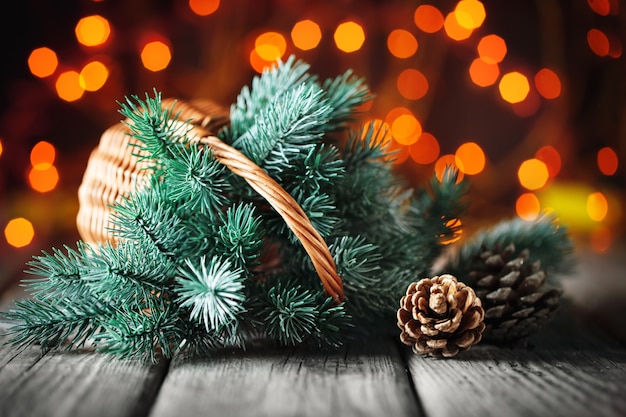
(572,121)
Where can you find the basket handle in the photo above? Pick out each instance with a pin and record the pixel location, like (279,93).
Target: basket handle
(287,207)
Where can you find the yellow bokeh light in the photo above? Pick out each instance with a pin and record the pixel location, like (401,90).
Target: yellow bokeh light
(349,36)
(93,76)
(428,18)
(454,30)
(483,73)
(42,155)
(406,129)
(270,46)
(204,7)
(470,158)
(42,62)
(470,14)
(401,43)
(306,35)
(155,56)
(19,232)
(514,87)
(43,180)
(425,150)
(68,86)
(412,84)
(527,206)
(597,206)
(492,49)
(533,174)
(92,30)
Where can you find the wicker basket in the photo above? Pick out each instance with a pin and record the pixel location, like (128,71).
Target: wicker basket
(113,171)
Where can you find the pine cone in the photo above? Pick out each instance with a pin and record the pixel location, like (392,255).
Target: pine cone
(440,317)
(517,300)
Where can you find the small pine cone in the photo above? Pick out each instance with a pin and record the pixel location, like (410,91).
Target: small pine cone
(440,316)
(517,300)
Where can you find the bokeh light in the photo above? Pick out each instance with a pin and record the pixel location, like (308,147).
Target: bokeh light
(204,7)
(483,73)
(598,42)
(412,84)
(270,46)
(548,83)
(492,49)
(448,160)
(426,150)
(551,157)
(42,62)
(470,158)
(92,30)
(401,43)
(607,160)
(470,14)
(428,18)
(43,180)
(19,232)
(601,7)
(349,36)
(527,206)
(68,86)
(93,76)
(457,233)
(1,148)
(514,87)
(155,56)
(600,238)
(406,129)
(533,174)
(42,155)
(597,206)
(454,30)
(306,35)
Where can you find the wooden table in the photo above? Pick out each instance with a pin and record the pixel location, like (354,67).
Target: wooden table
(574,367)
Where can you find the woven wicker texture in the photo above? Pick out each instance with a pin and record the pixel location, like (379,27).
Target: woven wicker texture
(113,171)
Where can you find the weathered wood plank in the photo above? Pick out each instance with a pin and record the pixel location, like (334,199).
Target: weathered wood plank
(366,380)
(77,383)
(564,372)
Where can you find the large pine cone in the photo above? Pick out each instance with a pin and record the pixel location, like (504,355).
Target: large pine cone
(515,295)
(440,317)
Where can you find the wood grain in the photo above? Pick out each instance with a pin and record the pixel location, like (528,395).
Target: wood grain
(362,380)
(74,384)
(563,372)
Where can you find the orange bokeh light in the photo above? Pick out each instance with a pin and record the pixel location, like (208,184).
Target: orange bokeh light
(549,156)
(93,76)
(533,174)
(412,84)
(156,56)
(349,36)
(492,49)
(42,155)
(597,206)
(470,158)
(598,42)
(470,14)
(92,30)
(19,232)
(43,180)
(68,86)
(270,46)
(42,62)
(601,7)
(428,18)
(204,7)
(483,73)
(527,206)
(1,148)
(426,150)
(607,161)
(401,43)
(548,83)
(454,30)
(445,161)
(306,34)
(406,129)
(514,87)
